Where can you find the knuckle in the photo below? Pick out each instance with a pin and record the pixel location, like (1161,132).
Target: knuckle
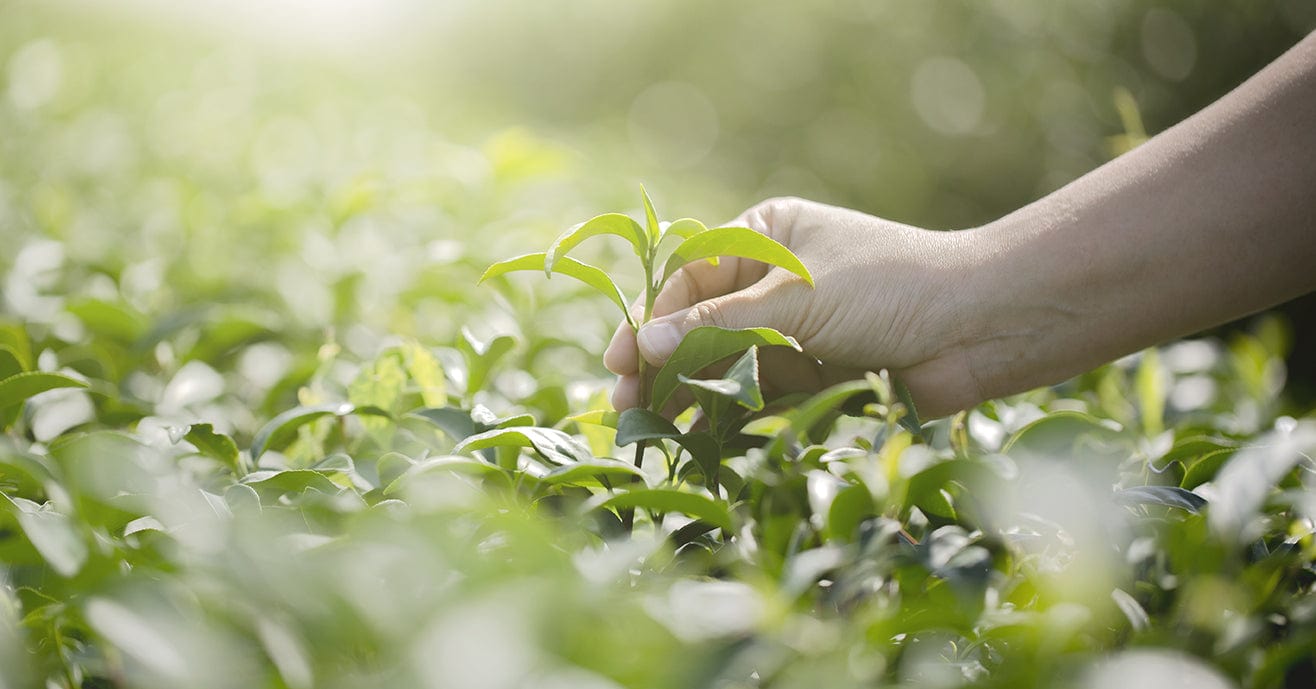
(708,313)
(776,215)
(690,284)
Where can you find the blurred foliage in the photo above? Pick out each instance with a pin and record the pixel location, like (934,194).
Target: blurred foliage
(261,428)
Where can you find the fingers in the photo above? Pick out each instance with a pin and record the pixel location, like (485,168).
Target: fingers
(760,304)
(621,357)
(627,392)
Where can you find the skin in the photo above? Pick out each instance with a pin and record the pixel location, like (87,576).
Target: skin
(1209,221)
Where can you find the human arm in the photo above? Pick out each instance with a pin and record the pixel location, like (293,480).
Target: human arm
(1209,221)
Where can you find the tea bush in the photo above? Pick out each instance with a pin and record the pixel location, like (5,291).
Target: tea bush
(262,427)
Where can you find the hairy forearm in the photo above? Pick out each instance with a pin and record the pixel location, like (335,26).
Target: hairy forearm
(1209,221)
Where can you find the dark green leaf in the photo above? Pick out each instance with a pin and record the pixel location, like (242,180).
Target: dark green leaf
(214,445)
(735,241)
(910,420)
(18,388)
(280,430)
(641,424)
(849,508)
(10,363)
(53,534)
(740,383)
(456,423)
(271,484)
(1170,496)
(459,465)
(1205,468)
(551,444)
(925,488)
(590,472)
(671,500)
(707,345)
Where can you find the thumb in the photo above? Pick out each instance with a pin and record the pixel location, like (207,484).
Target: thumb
(658,338)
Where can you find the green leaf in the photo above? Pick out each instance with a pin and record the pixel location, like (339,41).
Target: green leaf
(849,508)
(214,445)
(650,217)
(380,384)
(596,417)
(824,404)
(13,337)
(53,534)
(456,423)
(551,444)
(590,472)
(10,362)
(481,357)
(337,463)
(18,388)
(1170,496)
(1065,434)
(272,484)
(925,488)
(569,267)
(637,424)
(735,241)
(1206,468)
(685,228)
(1150,382)
(280,430)
(110,319)
(23,475)
(703,448)
(608,223)
(426,372)
(459,465)
(910,420)
(741,382)
(671,500)
(707,345)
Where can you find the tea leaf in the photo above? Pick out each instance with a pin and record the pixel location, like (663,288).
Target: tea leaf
(707,345)
(214,445)
(638,424)
(551,444)
(671,500)
(590,472)
(608,223)
(735,241)
(1170,496)
(280,430)
(481,357)
(567,266)
(19,387)
(740,383)
(650,217)
(685,228)
(54,535)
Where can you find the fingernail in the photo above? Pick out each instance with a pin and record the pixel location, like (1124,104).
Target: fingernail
(658,340)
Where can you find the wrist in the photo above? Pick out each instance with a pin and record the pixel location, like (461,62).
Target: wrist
(1016,309)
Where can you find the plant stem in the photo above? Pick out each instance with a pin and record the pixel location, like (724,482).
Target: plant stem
(650,294)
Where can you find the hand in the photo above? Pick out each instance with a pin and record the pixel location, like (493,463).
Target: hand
(885,297)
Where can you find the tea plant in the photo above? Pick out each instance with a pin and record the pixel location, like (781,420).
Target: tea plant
(701,348)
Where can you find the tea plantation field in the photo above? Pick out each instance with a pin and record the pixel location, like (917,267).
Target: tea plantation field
(261,427)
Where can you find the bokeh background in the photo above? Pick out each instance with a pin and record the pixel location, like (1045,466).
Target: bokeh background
(347,166)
